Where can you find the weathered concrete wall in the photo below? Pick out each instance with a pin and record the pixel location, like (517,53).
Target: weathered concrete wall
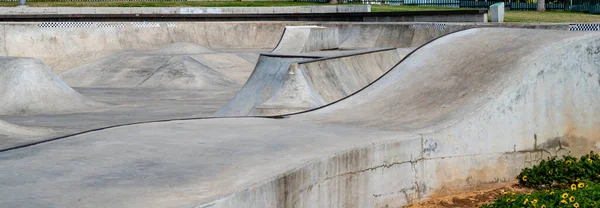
(480,121)
(185,10)
(73,44)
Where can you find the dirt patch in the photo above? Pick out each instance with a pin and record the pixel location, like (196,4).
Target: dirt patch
(470,199)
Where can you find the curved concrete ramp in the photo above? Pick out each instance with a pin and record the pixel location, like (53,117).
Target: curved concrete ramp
(314,83)
(28,86)
(268,77)
(281,84)
(300,39)
(174,66)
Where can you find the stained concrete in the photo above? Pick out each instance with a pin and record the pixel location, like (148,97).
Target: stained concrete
(432,125)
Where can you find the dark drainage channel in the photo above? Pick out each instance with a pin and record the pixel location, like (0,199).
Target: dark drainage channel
(423,16)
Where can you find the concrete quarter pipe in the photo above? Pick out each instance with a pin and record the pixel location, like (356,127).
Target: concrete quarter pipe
(451,115)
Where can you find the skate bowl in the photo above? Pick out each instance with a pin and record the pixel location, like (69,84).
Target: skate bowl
(466,109)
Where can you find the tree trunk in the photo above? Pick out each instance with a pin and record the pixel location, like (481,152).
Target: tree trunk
(541,5)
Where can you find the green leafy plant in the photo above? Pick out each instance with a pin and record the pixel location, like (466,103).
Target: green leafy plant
(583,194)
(560,173)
(564,182)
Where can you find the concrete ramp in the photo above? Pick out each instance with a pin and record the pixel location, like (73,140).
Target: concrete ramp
(300,39)
(28,86)
(174,66)
(284,84)
(483,104)
(314,83)
(268,77)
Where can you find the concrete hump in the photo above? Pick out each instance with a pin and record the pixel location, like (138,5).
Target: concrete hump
(173,66)
(300,39)
(29,86)
(281,85)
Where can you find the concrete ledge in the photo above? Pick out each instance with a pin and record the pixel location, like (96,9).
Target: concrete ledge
(426,16)
(185,10)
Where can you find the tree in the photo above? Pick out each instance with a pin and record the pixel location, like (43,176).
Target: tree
(333,1)
(541,5)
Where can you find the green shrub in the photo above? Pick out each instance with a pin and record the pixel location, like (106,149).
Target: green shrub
(584,194)
(560,173)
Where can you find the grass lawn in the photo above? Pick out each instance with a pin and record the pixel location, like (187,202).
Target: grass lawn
(533,16)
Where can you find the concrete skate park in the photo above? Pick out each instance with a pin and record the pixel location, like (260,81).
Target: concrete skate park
(285,114)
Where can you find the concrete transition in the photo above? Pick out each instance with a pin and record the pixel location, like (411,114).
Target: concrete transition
(302,83)
(28,86)
(299,39)
(467,110)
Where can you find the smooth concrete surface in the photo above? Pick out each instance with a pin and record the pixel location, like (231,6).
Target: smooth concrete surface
(185,10)
(432,125)
(301,83)
(299,39)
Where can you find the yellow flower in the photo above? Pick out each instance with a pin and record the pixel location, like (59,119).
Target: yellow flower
(507,199)
(580,185)
(569,162)
(513,193)
(573,187)
(525,202)
(524,178)
(576,205)
(564,196)
(543,206)
(534,201)
(550,172)
(563,201)
(593,203)
(589,160)
(552,193)
(505,193)
(572,199)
